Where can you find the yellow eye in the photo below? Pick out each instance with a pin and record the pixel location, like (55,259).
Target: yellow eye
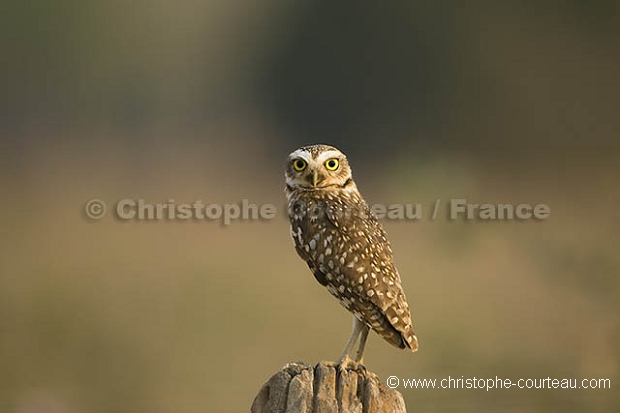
(299,164)
(332,164)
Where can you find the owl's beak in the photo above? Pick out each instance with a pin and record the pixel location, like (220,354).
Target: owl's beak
(315,178)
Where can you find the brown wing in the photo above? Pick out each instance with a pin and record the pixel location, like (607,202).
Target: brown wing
(369,271)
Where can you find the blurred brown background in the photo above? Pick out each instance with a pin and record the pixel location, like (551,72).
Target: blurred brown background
(188,100)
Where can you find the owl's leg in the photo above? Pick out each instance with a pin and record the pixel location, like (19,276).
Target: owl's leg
(359,354)
(357,329)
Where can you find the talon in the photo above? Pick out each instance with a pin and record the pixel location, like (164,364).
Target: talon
(346,363)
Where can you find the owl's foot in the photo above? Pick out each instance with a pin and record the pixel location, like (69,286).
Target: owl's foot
(347,363)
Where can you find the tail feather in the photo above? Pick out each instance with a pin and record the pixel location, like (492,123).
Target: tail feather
(394,329)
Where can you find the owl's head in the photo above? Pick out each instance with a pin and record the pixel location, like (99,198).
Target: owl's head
(318,167)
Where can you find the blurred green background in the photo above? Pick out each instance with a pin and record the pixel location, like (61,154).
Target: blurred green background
(491,101)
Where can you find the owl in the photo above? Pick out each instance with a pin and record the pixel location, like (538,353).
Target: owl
(336,233)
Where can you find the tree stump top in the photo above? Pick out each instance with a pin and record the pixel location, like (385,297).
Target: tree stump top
(326,388)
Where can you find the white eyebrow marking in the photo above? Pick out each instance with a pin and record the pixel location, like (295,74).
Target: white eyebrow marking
(301,153)
(324,156)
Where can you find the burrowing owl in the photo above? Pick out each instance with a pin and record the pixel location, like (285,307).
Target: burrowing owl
(345,246)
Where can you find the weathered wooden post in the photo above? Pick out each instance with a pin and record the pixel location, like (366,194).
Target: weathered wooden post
(326,388)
